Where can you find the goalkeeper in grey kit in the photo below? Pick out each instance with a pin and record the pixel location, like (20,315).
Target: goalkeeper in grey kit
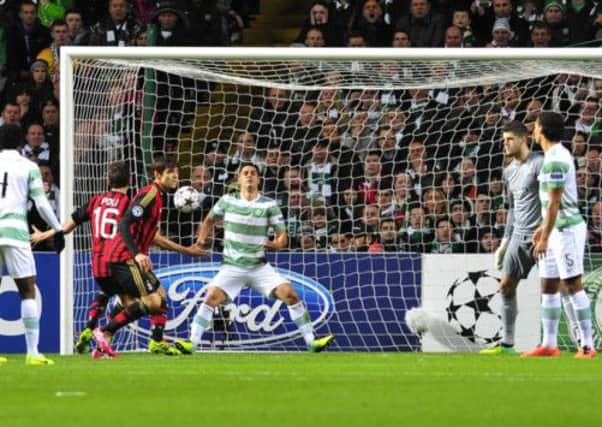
(514,256)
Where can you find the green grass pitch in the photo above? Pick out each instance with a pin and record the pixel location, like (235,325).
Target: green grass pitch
(327,389)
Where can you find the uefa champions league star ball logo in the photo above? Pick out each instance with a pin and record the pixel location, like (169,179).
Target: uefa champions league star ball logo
(470,303)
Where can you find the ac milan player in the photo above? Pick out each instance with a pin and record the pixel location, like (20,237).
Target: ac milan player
(129,260)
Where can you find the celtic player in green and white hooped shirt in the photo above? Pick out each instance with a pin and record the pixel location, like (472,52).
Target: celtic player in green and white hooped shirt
(247,217)
(20,180)
(560,240)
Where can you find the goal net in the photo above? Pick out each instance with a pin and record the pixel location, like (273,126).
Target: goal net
(387,166)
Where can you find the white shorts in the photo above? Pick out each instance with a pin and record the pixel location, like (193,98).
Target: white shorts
(564,257)
(18,260)
(231,279)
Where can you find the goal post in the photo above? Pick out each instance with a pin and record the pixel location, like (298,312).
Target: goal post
(131,103)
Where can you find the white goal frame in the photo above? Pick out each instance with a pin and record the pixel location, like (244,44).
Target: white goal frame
(69,54)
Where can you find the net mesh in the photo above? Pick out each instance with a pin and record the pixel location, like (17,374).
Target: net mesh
(395,158)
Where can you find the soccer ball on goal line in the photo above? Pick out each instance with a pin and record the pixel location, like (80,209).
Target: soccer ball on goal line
(186,199)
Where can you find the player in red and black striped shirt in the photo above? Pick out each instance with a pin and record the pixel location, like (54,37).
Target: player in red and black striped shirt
(104,211)
(129,260)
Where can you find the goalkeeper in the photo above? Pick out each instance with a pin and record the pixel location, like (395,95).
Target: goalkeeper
(514,255)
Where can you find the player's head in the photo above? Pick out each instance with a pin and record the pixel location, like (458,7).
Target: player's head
(11,137)
(119,175)
(165,172)
(549,127)
(248,176)
(515,136)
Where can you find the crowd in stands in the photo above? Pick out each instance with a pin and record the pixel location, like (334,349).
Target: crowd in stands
(353,170)
(463,23)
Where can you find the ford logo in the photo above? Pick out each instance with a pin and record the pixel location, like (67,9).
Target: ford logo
(257,320)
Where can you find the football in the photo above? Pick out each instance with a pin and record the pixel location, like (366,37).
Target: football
(417,320)
(186,199)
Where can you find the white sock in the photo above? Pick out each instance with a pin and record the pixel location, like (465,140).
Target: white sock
(202,320)
(583,313)
(550,316)
(571,317)
(31,320)
(300,316)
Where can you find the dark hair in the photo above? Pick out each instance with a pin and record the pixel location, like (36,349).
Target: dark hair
(552,125)
(441,219)
(58,23)
(163,163)
(11,136)
(73,11)
(517,128)
(251,164)
(540,25)
(119,175)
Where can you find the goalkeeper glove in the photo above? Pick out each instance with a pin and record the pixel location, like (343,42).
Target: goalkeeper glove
(59,241)
(500,253)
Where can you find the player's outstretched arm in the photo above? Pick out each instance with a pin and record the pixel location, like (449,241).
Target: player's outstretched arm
(279,242)
(205,229)
(165,243)
(39,236)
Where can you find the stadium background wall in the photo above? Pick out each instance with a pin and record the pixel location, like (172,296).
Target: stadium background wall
(369,298)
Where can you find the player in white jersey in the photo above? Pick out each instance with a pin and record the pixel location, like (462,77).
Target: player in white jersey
(247,217)
(559,243)
(20,180)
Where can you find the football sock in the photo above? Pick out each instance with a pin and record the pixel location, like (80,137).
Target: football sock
(509,312)
(132,312)
(571,317)
(200,323)
(583,312)
(31,320)
(158,322)
(96,309)
(550,316)
(300,316)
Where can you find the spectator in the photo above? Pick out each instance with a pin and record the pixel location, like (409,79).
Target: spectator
(79,33)
(444,242)
(53,194)
(356,39)
(460,220)
(340,242)
(215,160)
(496,191)
(391,155)
(314,38)
(579,20)
(168,27)
(401,39)
(541,35)
(384,200)
(321,19)
(24,40)
(245,152)
(307,241)
(369,219)
(403,196)
(215,23)
(453,37)
(118,28)
(387,233)
(588,191)
(425,27)
(554,15)
(488,240)
(272,173)
(589,122)
(36,149)
(359,136)
(26,111)
(10,114)
(268,121)
(301,134)
(348,208)
(435,206)
(579,148)
(294,214)
(319,220)
(371,178)
(501,33)
(322,173)
(499,222)
(59,32)
(372,25)
(461,19)
(484,19)
(50,11)
(416,235)
(534,107)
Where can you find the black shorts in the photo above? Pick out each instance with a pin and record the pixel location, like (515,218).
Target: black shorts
(132,280)
(108,286)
